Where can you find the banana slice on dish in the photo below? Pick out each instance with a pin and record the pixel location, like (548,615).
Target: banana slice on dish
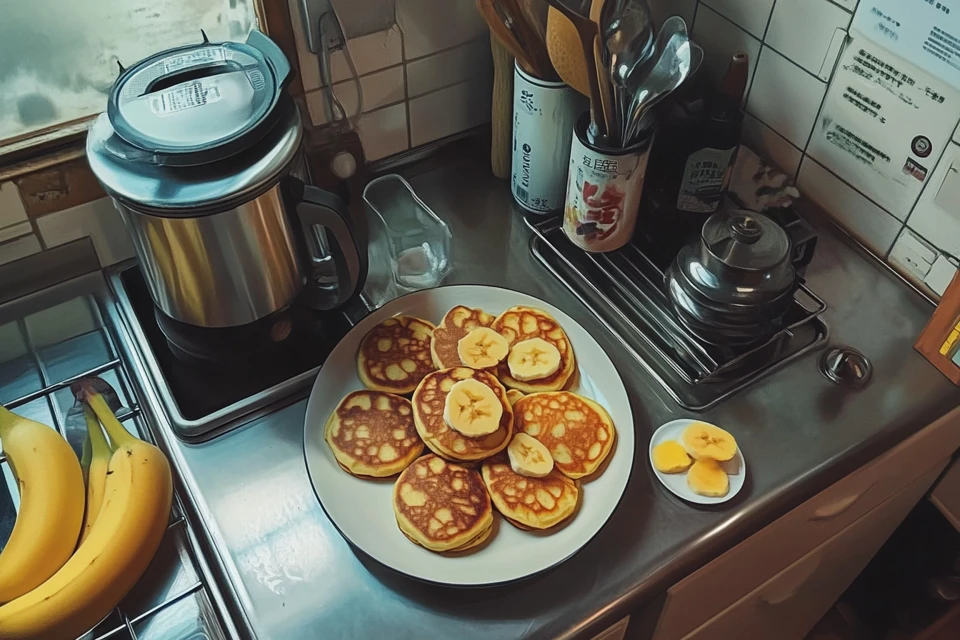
(533,359)
(482,348)
(529,457)
(472,409)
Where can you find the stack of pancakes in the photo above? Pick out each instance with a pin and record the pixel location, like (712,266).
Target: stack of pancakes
(442,506)
(524,323)
(441,501)
(428,403)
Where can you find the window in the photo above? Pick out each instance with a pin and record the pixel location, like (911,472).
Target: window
(59,59)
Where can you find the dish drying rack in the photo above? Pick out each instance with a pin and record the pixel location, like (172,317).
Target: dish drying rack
(176,596)
(624,288)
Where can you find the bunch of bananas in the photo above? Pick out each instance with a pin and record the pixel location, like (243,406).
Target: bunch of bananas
(70,559)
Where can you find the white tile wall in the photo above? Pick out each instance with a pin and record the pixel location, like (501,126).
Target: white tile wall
(432,46)
(99,220)
(809,32)
(769,144)
(801,43)
(19,248)
(11,208)
(849,5)
(370,53)
(430,26)
(720,39)
(449,67)
(876,228)
(448,111)
(752,15)
(941,274)
(384,132)
(15,230)
(785,97)
(380,89)
(913,255)
(937,214)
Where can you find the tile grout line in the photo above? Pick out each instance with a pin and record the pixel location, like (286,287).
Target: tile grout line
(807,156)
(840,6)
(406,85)
(403,61)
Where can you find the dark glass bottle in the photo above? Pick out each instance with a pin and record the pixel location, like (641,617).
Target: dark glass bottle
(706,172)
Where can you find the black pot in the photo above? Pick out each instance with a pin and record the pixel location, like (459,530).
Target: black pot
(737,283)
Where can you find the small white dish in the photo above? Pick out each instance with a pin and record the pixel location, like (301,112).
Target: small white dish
(736,467)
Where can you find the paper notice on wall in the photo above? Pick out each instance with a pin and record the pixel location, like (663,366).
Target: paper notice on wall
(883,125)
(924,32)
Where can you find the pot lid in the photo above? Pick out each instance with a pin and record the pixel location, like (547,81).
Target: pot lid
(745,240)
(195,104)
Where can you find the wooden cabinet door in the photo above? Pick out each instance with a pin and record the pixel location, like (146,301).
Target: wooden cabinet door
(788,605)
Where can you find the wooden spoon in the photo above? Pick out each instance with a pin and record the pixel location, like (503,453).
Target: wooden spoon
(588,31)
(488,11)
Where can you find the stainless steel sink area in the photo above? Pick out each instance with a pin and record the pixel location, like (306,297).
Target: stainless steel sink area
(49,340)
(252,554)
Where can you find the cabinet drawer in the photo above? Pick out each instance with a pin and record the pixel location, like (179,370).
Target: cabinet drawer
(788,605)
(946,495)
(719,584)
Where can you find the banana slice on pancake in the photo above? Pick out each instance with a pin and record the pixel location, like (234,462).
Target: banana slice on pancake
(529,457)
(482,348)
(533,359)
(472,408)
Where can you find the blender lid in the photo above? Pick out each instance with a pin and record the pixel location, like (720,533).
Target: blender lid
(745,240)
(199,103)
(197,129)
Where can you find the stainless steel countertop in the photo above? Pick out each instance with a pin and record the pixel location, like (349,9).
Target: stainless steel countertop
(293,576)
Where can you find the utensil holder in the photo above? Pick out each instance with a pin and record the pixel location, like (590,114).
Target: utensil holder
(544,113)
(604,186)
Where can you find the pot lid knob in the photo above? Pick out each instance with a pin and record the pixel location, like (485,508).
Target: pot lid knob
(745,240)
(746,229)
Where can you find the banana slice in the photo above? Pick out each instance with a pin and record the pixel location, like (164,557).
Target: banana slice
(482,348)
(533,359)
(472,408)
(529,457)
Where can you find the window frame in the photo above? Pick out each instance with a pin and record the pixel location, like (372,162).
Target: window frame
(63,143)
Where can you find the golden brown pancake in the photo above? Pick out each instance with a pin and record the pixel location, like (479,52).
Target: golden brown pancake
(395,355)
(513,395)
(472,544)
(371,433)
(456,324)
(442,506)
(428,403)
(578,432)
(524,323)
(535,503)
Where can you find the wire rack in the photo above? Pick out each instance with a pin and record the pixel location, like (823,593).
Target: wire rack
(40,356)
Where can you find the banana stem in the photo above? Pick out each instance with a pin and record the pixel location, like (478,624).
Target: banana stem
(98,441)
(119,436)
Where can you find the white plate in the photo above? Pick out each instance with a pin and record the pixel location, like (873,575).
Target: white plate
(736,468)
(362,509)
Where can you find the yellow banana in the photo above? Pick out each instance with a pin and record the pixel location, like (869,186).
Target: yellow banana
(100,454)
(51,504)
(120,545)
